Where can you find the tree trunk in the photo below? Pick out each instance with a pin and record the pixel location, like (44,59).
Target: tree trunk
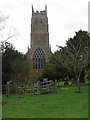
(78,84)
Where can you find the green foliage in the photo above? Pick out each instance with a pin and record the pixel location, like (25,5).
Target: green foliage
(14,65)
(53,70)
(70,60)
(61,84)
(6,46)
(87,77)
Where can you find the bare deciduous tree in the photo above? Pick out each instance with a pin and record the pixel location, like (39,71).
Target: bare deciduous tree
(4,35)
(75,55)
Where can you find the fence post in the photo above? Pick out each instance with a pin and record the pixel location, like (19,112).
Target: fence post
(55,84)
(8,88)
(38,87)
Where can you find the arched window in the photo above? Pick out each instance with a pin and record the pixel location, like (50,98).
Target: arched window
(39,59)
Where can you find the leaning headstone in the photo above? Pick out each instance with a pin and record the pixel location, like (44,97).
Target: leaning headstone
(73,82)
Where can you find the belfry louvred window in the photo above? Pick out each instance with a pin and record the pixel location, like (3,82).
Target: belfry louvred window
(39,59)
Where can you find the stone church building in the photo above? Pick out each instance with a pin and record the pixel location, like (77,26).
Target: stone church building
(40,50)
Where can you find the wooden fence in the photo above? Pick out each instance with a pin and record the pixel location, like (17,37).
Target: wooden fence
(38,87)
(5,90)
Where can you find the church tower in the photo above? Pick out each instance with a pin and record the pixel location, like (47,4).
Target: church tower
(40,50)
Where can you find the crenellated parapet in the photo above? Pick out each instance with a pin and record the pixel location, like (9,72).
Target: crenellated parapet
(44,12)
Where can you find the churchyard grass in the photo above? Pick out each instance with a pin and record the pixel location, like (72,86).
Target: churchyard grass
(62,103)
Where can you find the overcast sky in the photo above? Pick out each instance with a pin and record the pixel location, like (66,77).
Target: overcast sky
(64,17)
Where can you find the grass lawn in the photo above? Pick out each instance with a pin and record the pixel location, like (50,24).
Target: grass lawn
(63,103)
